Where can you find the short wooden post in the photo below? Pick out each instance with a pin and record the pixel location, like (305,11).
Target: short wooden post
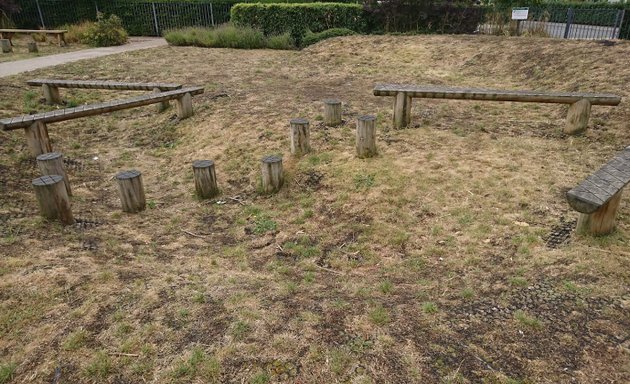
(300,136)
(163,106)
(366,136)
(577,117)
(602,221)
(184,106)
(272,177)
(51,93)
(6,45)
(332,112)
(131,191)
(52,164)
(205,179)
(53,199)
(37,138)
(32,47)
(402,110)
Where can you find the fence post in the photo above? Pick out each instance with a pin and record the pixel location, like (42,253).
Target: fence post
(569,22)
(155,20)
(618,22)
(96,7)
(41,17)
(211,15)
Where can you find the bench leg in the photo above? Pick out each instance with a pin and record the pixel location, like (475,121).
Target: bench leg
(6,45)
(577,118)
(184,106)
(37,138)
(163,106)
(51,94)
(402,110)
(602,221)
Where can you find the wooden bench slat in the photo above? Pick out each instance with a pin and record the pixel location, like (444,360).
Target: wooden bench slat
(8,30)
(98,84)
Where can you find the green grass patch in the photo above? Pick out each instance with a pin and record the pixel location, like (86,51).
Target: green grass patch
(228,36)
(6,372)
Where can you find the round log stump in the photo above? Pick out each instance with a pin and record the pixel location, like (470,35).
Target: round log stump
(205,179)
(32,47)
(6,46)
(332,112)
(131,191)
(272,177)
(52,164)
(53,200)
(366,136)
(300,137)
(37,138)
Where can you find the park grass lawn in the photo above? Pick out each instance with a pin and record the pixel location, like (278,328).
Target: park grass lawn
(426,264)
(49,47)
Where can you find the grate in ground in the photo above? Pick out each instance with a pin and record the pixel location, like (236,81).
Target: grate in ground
(85,223)
(560,234)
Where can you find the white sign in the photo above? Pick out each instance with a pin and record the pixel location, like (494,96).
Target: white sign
(519,13)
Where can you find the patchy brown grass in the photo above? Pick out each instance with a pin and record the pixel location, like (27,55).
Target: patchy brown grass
(425,264)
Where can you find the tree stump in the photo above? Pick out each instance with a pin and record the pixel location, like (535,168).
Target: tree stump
(37,138)
(602,221)
(51,93)
(300,137)
(402,110)
(366,136)
(53,199)
(131,191)
(205,179)
(272,177)
(32,47)
(6,45)
(52,164)
(577,117)
(332,112)
(163,106)
(184,106)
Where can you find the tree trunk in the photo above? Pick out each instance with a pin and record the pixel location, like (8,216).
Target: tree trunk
(53,199)
(131,191)
(205,179)
(52,164)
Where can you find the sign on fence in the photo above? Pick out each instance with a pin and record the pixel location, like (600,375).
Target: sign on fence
(520,13)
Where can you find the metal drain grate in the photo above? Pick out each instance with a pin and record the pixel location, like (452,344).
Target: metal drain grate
(560,234)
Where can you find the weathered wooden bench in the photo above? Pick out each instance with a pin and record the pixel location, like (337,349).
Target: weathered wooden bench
(59,33)
(50,87)
(597,197)
(577,118)
(37,132)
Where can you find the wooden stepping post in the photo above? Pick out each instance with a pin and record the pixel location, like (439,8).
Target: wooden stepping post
(402,110)
(37,138)
(53,200)
(184,106)
(52,164)
(6,45)
(366,136)
(51,93)
(32,47)
(332,112)
(131,191)
(602,221)
(300,137)
(205,179)
(272,177)
(577,117)
(163,106)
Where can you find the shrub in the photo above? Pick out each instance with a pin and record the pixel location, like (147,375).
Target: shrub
(284,41)
(312,38)
(228,36)
(77,32)
(105,32)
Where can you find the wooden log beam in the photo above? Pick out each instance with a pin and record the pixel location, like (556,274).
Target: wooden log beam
(131,191)
(272,174)
(577,117)
(332,112)
(105,84)
(366,136)
(53,200)
(300,137)
(37,138)
(205,179)
(52,164)
(402,110)
(602,221)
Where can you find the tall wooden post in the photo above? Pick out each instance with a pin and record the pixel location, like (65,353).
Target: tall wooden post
(300,136)
(272,177)
(366,136)
(577,117)
(205,179)
(184,106)
(52,164)
(131,191)
(402,110)
(37,138)
(51,93)
(602,221)
(162,106)
(332,112)
(53,199)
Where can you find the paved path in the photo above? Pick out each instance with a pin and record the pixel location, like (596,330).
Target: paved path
(19,66)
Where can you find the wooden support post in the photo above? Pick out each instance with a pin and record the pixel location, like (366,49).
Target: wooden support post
(37,138)
(577,117)
(300,137)
(51,93)
(32,47)
(366,136)
(131,191)
(272,177)
(332,112)
(205,179)
(162,106)
(52,164)
(6,45)
(53,199)
(402,110)
(184,106)
(602,221)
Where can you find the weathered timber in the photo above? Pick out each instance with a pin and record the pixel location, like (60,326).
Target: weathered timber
(52,164)
(6,46)
(54,203)
(163,106)
(205,179)
(37,138)
(597,197)
(300,136)
(131,191)
(105,84)
(51,93)
(32,47)
(332,112)
(7,33)
(366,136)
(272,174)
(184,106)
(402,110)
(577,117)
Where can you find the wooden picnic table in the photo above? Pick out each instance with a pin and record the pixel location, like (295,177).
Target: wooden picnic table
(60,33)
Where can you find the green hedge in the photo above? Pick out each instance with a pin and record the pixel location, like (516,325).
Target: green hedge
(275,19)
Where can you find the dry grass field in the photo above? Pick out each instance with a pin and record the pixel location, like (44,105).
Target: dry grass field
(430,263)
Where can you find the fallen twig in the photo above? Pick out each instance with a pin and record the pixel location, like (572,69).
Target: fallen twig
(194,234)
(123,354)
(329,270)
